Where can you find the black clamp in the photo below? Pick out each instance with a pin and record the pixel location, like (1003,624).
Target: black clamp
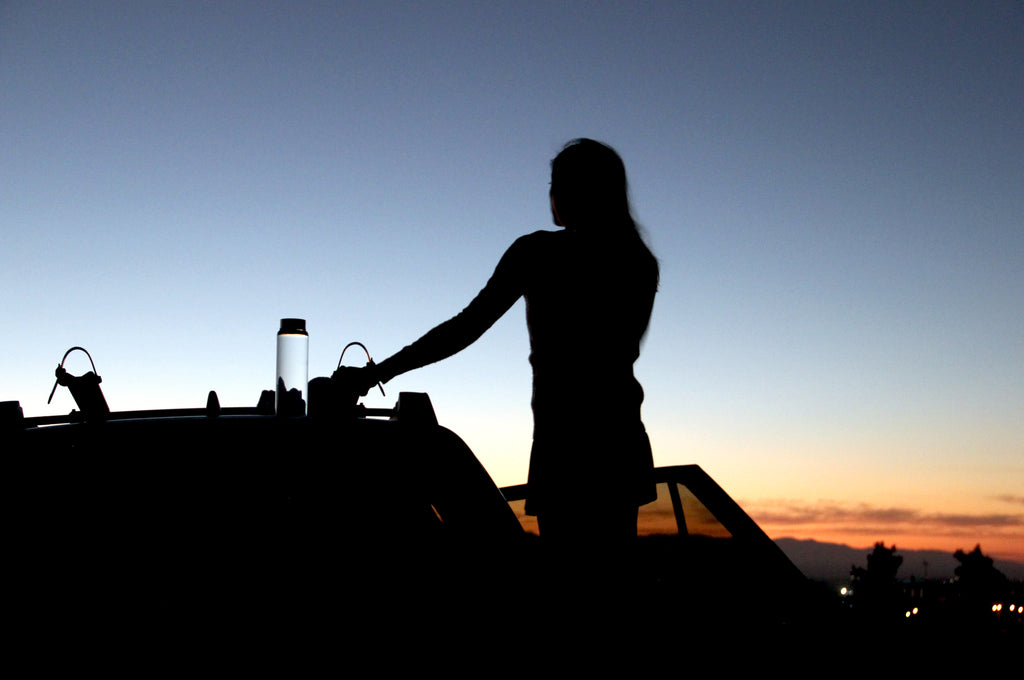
(84,388)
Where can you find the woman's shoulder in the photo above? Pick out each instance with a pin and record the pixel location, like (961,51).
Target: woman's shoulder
(541,237)
(536,244)
(526,254)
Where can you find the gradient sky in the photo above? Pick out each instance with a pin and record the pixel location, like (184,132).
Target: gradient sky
(834,190)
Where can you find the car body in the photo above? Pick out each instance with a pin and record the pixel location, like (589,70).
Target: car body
(179,517)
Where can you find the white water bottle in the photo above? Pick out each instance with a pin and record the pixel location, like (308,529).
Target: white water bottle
(292,368)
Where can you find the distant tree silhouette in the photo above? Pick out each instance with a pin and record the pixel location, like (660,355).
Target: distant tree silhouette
(978,584)
(876,592)
(976,569)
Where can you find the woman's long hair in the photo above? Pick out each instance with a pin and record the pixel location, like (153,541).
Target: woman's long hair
(590,192)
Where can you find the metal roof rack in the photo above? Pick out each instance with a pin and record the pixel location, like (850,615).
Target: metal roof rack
(410,407)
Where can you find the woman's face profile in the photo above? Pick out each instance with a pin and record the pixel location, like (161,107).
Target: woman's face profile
(554,211)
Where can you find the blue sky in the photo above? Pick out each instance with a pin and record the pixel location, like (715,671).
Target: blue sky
(833,190)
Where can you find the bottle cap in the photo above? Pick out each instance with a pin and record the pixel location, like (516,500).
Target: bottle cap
(295,326)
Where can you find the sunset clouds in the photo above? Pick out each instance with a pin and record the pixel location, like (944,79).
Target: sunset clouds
(854,523)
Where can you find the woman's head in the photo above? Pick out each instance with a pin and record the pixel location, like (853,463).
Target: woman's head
(588,187)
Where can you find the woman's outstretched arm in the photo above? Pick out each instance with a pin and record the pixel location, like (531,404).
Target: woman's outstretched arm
(502,290)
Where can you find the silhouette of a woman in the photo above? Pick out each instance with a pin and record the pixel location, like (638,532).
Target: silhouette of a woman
(589,290)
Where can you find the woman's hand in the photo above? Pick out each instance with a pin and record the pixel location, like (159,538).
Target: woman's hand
(355,382)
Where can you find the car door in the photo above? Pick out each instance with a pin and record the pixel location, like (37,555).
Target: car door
(698,550)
